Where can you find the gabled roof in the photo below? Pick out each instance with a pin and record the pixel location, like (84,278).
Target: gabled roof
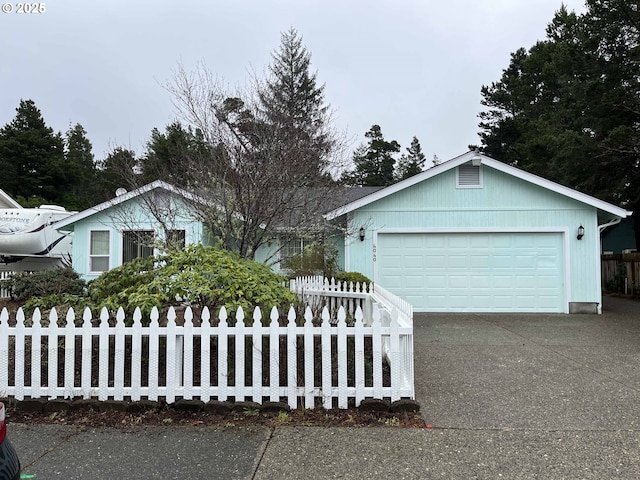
(158,184)
(5,198)
(486,161)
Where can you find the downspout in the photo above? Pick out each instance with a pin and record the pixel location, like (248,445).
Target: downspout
(613,222)
(601,229)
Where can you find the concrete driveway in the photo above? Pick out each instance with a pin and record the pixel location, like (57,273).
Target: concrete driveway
(540,372)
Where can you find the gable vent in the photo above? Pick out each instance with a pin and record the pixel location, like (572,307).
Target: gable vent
(469,176)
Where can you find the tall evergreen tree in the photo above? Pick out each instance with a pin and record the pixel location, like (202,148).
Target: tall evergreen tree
(412,162)
(374,161)
(569,107)
(31,158)
(293,102)
(170,155)
(120,169)
(80,163)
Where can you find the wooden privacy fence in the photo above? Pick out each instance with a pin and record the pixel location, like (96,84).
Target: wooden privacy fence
(302,361)
(621,273)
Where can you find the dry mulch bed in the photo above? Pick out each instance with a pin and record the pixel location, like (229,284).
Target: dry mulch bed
(169,417)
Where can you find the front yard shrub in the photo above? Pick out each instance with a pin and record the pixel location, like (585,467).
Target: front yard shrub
(61,302)
(56,281)
(197,275)
(352,277)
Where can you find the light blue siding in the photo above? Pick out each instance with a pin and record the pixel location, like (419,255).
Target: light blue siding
(130,215)
(504,203)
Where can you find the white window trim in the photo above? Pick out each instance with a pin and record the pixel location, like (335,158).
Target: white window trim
(108,255)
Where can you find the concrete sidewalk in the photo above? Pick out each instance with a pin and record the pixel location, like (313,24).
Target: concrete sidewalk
(509,396)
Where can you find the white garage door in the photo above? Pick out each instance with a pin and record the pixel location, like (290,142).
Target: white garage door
(474,272)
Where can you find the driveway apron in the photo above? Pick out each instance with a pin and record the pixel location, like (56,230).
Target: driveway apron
(547,372)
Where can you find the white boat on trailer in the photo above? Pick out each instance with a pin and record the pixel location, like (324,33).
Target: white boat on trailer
(29,239)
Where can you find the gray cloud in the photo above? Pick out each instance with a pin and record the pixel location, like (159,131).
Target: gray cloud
(413,67)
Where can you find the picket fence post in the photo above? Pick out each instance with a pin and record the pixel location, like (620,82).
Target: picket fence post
(223,345)
(36,354)
(274,356)
(325,339)
(205,355)
(19,358)
(187,373)
(256,355)
(308,359)
(154,354)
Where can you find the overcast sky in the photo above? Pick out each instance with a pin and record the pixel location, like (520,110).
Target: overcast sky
(414,67)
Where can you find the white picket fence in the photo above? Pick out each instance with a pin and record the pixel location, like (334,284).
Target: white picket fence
(304,364)
(320,291)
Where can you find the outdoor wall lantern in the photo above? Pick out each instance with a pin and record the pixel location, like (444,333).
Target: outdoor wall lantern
(361,234)
(580,232)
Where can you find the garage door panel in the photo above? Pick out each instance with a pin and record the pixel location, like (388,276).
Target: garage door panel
(478,241)
(458,301)
(458,261)
(478,282)
(458,241)
(457,281)
(502,261)
(525,261)
(480,261)
(414,281)
(434,281)
(434,261)
(504,272)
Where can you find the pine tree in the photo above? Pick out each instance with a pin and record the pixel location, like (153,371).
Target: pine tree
(170,155)
(293,103)
(374,162)
(568,108)
(120,169)
(31,158)
(80,163)
(412,162)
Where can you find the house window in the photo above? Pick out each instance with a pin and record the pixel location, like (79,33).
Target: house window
(137,244)
(294,247)
(99,251)
(176,239)
(469,176)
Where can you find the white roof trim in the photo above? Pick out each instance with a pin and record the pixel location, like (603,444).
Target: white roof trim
(120,199)
(489,162)
(12,203)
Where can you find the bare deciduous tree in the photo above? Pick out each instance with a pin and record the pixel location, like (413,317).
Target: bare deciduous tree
(259,177)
